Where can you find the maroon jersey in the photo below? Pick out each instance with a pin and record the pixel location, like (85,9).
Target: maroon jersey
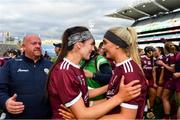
(177,56)
(177,68)
(147,66)
(172,58)
(131,71)
(113,64)
(1,62)
(66,86)
(170,61)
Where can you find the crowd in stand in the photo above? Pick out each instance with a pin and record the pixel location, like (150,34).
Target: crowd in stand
(114,81)
(11,53)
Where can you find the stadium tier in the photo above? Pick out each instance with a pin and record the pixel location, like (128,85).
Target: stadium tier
(155,20)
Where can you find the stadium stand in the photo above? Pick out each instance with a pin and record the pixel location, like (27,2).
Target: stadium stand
(155,20)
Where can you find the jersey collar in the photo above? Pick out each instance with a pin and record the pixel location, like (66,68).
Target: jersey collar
(67,60)
(123,62)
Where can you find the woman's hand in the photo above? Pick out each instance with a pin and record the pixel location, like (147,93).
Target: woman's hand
(128,91)
(155,85)
(160,62)
(176,75)
(66,113)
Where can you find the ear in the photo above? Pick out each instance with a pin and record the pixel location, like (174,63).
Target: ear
(78,45)
(23,46)
(117,47)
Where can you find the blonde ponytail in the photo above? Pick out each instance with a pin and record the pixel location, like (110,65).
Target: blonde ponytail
(133,51)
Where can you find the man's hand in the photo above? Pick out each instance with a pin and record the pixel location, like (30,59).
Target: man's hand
(13,106)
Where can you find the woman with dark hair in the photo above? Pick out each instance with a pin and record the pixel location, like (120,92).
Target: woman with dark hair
(101,49)
(147,63)
(67,84)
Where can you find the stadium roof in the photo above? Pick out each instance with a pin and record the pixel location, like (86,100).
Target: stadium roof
(146,9)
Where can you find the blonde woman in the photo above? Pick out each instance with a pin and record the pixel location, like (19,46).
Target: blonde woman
(120,44)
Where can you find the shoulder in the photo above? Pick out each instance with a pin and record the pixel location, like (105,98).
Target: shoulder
(58,71)
(67,68)
(131,69)
(15,60)
(129,66)
(65,72)
(101,59)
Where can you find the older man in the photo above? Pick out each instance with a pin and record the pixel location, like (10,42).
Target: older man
(23,81)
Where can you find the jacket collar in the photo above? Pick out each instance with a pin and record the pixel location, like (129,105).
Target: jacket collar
(31,60)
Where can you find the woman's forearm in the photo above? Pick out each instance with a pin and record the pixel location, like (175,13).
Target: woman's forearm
(97,91)
(170,68)
(96,111)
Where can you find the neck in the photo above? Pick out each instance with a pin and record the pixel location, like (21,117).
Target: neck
(121,58)
(74,58)
(35,59)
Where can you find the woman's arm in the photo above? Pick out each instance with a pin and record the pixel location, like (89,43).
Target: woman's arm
(124,114)
(126,92)
(98,91)
(67,113)
(170,68)
(154,76)
(103,76)
(176,74)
